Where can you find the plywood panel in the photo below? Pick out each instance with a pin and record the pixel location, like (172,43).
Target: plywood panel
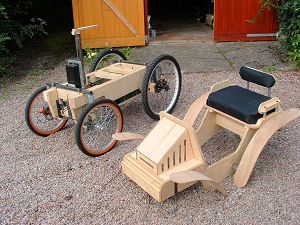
(231,20)
(121,22)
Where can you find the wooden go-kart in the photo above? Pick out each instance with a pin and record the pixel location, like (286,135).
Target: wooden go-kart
(93,100)
(170,158)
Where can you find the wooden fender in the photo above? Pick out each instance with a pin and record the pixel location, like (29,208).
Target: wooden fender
(259,140)
(192,176)
(195,109)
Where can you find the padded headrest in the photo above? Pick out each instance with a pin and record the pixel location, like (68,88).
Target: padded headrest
(257,77)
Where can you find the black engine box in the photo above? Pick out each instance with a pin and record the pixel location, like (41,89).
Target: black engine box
(73,75)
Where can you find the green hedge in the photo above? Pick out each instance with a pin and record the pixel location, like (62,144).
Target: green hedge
(289,19)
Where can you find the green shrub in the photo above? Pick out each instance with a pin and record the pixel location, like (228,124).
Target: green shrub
(14,32)
(91,53)
(289,19)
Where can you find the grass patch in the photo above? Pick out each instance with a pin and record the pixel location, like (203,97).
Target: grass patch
(270,69)
(34,72)
(4,94)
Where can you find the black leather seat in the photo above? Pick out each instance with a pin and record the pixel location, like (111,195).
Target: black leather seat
(238,102)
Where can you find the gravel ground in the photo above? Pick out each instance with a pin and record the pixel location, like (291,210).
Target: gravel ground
(49,181)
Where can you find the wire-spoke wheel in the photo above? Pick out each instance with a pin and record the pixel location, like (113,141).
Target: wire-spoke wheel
(106,58)
(96,125)
(38,116)
(161,86)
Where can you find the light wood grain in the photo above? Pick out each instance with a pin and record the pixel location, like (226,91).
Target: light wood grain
(258,142)
(192,176)
(195,109)
(125,136)
(121,22)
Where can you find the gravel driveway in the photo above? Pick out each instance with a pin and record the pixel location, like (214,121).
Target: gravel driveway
(49,181)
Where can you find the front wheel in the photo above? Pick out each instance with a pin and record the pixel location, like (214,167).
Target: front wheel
(161,86)
(96,125)
(38,116)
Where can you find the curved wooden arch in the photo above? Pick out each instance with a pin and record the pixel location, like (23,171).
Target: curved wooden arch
(259,140)
(195,109)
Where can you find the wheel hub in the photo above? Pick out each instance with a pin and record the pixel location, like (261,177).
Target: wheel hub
(161,85)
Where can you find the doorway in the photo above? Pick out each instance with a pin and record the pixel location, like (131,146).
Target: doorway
(180,20)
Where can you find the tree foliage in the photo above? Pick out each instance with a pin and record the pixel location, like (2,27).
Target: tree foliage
(17,26)
(289,19)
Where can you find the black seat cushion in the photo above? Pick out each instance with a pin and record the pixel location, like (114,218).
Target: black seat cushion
(238,102)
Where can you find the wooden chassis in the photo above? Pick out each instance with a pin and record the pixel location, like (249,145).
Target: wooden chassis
(162,185)
(121,79)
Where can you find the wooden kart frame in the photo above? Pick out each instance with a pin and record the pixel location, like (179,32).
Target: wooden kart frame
(170,158)
(123,81)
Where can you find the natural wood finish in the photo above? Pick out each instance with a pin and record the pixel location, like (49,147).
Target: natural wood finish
(192,176)
(258,142)
(229,124)
(170,157)
(198,154)
(125,75)
(269,105)
(121,16)
(195,109)
(50,96)
(121,22)
(111,89)
(221,85)
(127,136)
(208,127)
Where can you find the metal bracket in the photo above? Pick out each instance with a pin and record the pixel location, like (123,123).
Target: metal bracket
(132,62)
(269,92)
(90,97)
(248,85)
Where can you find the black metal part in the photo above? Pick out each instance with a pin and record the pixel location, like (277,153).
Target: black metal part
(161,85)
(134,63)
(128,96)
(73,74)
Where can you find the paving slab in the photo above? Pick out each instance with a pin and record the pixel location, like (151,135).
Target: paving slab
(192,57)
(208,56)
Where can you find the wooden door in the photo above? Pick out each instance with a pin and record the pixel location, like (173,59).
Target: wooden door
(121,22)
(231,21)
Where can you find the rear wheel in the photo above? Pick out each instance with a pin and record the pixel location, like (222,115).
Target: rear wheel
(106,58)
(38,116)
(96,125)
(161,86)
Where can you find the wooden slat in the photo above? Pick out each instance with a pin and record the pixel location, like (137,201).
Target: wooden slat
(121,16)
(121,22)
(127,136)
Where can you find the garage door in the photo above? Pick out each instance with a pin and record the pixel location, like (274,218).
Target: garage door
(121,22)
(231,21)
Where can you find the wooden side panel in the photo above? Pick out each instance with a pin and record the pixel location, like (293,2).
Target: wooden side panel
(121,22)
(231,21)
(258,142)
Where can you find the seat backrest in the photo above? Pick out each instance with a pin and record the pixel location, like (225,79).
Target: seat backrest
(257,77)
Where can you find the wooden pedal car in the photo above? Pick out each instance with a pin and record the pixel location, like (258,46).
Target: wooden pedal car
(93,100)
(170,158)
